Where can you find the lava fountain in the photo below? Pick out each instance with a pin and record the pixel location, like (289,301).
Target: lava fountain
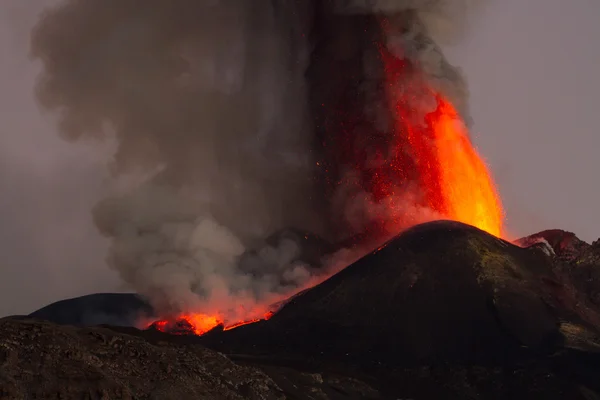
(466,186)
(433,148)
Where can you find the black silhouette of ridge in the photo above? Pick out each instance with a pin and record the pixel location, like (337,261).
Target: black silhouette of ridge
(117,309)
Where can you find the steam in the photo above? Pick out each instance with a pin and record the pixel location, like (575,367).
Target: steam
(208,105)
(207,102)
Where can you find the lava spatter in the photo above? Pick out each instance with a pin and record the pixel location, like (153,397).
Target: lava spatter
(433,149)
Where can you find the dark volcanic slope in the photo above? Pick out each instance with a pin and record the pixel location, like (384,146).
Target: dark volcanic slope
(440,291)
(578,261)
(119,309)
(444,310)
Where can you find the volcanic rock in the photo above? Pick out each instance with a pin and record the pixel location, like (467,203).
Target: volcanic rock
(44,361)
(585,273)
(439,296)
(578,264)
(565,245)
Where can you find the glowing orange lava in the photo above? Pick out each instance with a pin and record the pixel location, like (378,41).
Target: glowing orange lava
(452,177)
(238,324)
(465,182)
(199,324)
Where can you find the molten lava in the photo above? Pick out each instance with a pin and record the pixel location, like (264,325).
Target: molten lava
(199,324)
(431,147)
(466,186)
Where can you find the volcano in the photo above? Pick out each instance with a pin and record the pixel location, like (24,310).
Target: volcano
(442,295)
(342,119)
(441,291)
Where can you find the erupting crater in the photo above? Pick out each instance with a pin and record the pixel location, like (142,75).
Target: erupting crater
(199,324)
(428,148)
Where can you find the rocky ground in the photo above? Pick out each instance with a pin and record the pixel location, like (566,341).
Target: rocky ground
(41,360)
(444,311)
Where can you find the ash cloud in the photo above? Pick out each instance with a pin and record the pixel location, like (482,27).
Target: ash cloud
(207,102)
(415,30)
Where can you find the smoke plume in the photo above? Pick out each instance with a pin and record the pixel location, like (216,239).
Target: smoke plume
(415,29)
(210,106)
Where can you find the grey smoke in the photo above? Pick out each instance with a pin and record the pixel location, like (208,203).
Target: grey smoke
(417,29)
(208,104)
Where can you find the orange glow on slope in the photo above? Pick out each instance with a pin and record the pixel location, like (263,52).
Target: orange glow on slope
(238,324)
(199,324)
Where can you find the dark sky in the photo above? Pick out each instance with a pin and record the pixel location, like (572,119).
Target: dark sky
(531,67)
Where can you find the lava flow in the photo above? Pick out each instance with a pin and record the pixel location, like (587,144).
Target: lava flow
(199,324)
